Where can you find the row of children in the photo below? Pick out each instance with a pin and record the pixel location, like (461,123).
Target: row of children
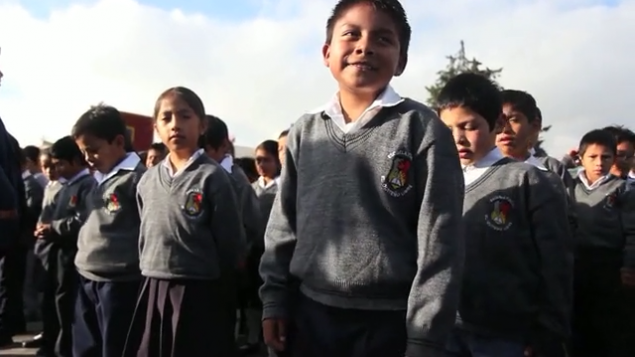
(390,234)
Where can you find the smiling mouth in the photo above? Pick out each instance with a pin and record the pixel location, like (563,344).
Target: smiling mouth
(364,66)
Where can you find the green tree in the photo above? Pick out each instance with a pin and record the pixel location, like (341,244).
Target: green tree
(457,64)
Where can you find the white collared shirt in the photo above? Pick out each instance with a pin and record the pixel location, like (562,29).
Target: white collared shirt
(25,174)
(168,165)
(592,186)
(130,162)
(227,163)
(533,161)
(388,98)
(472,172)
(262,184)
(77,176)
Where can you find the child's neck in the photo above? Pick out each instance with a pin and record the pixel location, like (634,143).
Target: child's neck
(591,179)
(122,156)
(267,179)
(354,104)
(178,159)
(75,172)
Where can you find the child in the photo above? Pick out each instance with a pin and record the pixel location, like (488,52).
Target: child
(59,240)
(517,275)
(282,145)
(248,165)
(34,197)
(107,258)
(367,221)
(155,154)
(605,245)
(191,235)
(33,163)
(216,142)
(625,150)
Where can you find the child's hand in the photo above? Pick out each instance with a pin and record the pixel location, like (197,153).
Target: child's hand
(42,230)
(628,277)
(275,333)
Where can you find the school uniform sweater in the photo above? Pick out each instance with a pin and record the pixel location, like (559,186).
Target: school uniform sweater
(190,223)
(70,210)
(34,196)
(370,220)
(109,239)
(48,202)
(248,202)
(557,167)
(517,280)
(606,218)
(266,195)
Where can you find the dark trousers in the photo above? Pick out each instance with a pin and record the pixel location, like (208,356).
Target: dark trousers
(103,311)
(317,330)
(12,270)
(598,306)
(60,289)
(177,318)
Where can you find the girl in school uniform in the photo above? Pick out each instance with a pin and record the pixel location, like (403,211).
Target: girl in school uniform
(191,235)
(268,167)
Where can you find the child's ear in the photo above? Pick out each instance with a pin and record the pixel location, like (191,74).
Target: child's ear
(326,54)
(120,141)
(401,67)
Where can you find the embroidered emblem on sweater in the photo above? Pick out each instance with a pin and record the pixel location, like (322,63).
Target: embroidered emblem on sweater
(193,203)
(396,181)
(72,202)
(499,217)
(112,203)
(610,200)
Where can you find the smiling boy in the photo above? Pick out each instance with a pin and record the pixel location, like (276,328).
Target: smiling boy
(379,270)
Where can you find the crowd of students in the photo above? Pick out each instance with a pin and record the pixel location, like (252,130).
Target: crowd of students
(374,226)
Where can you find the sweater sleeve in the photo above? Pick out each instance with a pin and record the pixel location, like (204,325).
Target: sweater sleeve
(552,237)
(434,295)
(280,237)
(69,226)
(627,208)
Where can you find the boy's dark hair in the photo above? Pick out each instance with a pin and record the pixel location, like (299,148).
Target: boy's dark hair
(160,147)
(522,102)
(249,167)
(103,122)
(599,137)
(392,8)
(538,114)
(475,92)
(32,153)
(621,134)
(66,149)
(216,133)
(283,134)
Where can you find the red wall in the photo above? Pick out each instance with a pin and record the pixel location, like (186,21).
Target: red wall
(141,130)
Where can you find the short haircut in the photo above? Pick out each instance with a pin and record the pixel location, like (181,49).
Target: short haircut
(216,134)
(521,102)
(538,114)
(66,149)
(283,134)
(621,134)
(103,122)
(392,8)
(599,137)
(160,147)
(474,92)
(32,153)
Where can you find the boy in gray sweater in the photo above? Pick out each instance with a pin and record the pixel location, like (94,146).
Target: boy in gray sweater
(364,246)
(58,238)
(107,258)
(516,291)
(605,254)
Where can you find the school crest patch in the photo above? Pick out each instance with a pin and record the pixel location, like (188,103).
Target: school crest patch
(193,203)
(610,201)
(396,181)
(72,202)
(112,203)
(499,217)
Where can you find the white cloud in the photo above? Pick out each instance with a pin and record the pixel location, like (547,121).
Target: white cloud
(260,74)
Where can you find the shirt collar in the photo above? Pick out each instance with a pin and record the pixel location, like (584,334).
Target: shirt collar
(227,163)
(25,174)
(77,176)
(166,162)
(388,98)
(596,184)
(486,161)
(532,160)
(129,163)
(261,182)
